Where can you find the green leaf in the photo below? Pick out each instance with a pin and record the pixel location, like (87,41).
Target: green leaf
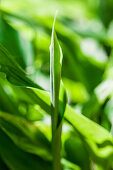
(99,142)
(13,71)
(98,98)
(62,103)
(55,77)
(17,159)
(7,100)
(67,165)
(26,135)
(10,39)
(76,152)
(17,45)
(90,131)
(94,136)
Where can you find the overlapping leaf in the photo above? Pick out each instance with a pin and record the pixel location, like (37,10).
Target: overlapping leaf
(17,159)
(13,71)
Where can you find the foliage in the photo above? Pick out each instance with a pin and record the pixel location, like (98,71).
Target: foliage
(56,108)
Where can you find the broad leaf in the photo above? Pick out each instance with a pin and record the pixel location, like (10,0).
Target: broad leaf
(13,71)
(26,135)
(19,48)
(17,159)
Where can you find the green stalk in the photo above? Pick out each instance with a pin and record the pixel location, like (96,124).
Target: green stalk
(55,77)
(56,149)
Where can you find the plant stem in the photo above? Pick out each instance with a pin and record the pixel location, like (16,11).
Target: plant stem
(56,149)
(55,80)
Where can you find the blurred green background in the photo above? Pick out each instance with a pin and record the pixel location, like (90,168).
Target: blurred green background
(85,32)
